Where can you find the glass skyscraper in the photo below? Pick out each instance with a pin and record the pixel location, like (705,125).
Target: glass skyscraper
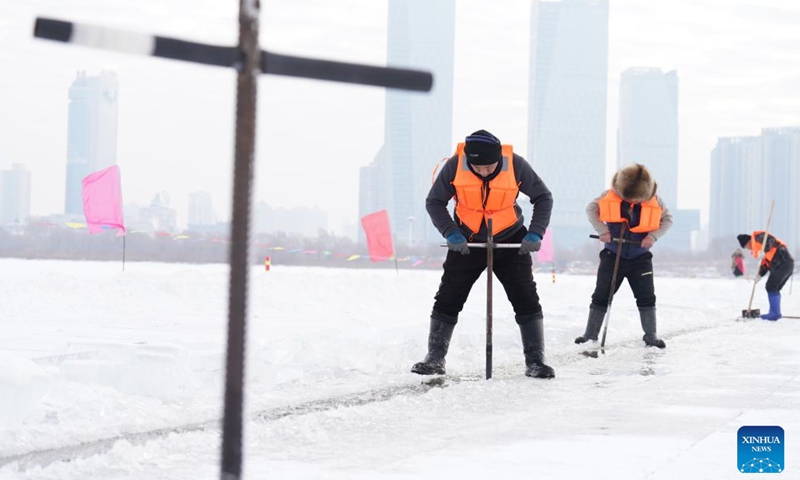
(648,126)
(747,174)
(567,109)
(418,126)
(15,202)
(92,132)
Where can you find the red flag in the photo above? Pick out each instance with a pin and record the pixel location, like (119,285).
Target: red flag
(102,201)
(379,235)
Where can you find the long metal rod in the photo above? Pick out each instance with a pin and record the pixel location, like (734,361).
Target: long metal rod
(613,285)
(620,239)
(494,245)
(246,96)
(489,275)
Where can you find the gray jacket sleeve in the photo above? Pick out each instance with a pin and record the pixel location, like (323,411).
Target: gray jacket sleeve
(666,220)
(440,194)
(534,187)
(593,214)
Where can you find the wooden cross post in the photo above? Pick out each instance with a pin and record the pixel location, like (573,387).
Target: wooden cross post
(249,61)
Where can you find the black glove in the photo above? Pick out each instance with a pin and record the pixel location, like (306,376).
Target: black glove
(457,243)
(531,243)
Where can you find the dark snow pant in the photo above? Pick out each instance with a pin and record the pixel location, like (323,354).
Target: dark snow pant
(778,275)
(638,271)
(514,271)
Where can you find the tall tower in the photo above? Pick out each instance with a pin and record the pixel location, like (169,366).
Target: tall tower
(418,126)
(735,199)
(201,211)
(567,108)
(780,180)
(92,132)
(15,188)
(747,174)
(648,127)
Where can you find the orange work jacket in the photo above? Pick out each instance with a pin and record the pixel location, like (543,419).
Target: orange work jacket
(476,204)
(649,217)
(756,246)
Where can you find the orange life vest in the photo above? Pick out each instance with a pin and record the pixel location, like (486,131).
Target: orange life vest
(475,205)
(649,216)
(756,246)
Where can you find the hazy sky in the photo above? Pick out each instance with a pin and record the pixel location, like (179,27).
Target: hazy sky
(738,65)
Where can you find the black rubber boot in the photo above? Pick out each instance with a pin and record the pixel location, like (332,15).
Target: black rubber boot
(438,342)
(593,325)
(648,318)
(531,328)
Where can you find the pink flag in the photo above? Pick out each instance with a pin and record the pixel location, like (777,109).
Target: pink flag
(545,254)
(379,235)
(102,201)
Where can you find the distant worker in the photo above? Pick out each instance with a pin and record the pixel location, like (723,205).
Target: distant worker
(737,263)
(775,260)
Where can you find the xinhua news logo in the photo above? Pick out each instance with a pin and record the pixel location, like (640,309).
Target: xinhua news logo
(761,449)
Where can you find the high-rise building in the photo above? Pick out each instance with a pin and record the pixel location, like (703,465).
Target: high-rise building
(747,174)
(201,212)
(418,126)
(567,109)
(735,196)
(92,132)
(305,221)
(648,126)
(15,195)
(780,149)
(648,134)
(159,216)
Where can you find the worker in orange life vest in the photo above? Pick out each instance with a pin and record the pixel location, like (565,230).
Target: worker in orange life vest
(630,209)
(485,177)
(776,260)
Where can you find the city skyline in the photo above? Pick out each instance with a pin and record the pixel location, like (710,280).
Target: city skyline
(737,64)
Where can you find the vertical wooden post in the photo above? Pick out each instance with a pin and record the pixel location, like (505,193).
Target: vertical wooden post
(248,67)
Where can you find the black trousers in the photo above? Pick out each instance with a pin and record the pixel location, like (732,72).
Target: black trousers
(778,275)
(638,271)
(514,271)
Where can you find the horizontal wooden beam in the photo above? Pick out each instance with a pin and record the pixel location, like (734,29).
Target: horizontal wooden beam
(271,63)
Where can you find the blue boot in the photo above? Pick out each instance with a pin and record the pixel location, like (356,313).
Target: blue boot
(774,306)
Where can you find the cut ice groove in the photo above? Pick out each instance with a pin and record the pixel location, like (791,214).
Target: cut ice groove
(66,453)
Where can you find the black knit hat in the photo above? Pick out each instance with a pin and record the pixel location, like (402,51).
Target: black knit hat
(743,239)
(483,148)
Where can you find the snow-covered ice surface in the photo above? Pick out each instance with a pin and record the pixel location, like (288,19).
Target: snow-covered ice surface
(109,374)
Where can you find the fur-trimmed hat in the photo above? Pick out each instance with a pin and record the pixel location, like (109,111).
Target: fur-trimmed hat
(483,148)
(634,183)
